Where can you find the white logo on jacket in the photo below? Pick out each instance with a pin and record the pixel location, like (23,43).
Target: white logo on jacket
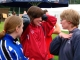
(32,31)
(28,37)
(17,42)
(10,48)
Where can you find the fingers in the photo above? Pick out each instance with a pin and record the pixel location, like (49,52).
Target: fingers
(66,36)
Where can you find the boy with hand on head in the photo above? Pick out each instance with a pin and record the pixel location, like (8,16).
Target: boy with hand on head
(33,37)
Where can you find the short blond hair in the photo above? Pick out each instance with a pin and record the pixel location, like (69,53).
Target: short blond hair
(71,16)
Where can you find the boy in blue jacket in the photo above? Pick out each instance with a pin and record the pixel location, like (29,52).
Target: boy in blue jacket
(68,48)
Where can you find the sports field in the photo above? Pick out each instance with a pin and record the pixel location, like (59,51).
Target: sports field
(1,26)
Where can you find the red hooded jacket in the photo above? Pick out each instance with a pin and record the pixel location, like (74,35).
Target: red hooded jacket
(33,39)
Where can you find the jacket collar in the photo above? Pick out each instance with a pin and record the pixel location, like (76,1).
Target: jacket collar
(10,38)
(74,30)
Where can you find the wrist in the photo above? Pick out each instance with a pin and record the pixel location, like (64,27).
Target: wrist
(60,34)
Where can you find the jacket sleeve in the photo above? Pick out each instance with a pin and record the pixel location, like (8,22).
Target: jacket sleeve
(49,24)
(76,49)
(55,45)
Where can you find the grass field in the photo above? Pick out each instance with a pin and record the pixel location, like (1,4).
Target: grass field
(53,36)
(1,26)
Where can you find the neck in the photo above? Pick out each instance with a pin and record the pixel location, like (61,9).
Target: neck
(13,35)
(70,29)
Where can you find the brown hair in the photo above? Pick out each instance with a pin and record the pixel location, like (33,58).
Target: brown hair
(10,25)
(44,11)
(34,12)
(71,16)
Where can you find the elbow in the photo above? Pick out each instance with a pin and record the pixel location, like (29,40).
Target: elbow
(51,52)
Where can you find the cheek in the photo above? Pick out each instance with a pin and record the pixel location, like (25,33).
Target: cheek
(64,24)
(21,30)
(34,22)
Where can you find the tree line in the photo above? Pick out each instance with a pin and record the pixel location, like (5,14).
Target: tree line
(74,1)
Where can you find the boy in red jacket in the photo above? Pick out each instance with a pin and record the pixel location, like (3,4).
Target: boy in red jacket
(33,37)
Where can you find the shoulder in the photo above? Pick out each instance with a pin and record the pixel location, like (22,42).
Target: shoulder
(77,33)
(50,16)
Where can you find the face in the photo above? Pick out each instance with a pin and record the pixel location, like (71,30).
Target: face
(65,24)
(19,30)
(37,21)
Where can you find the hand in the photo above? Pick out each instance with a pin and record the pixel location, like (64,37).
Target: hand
(26,21)
(44,17)
(66,36)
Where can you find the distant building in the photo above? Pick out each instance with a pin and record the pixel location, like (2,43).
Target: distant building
(4,1)
(3,13)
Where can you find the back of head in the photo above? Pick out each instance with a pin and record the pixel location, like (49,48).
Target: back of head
(10,25)
(71,16)
(34,12)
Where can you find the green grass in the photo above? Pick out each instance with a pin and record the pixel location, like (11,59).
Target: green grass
(1,26)
(53,36)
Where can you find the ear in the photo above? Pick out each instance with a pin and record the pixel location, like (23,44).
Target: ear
(17,29)
(69,22)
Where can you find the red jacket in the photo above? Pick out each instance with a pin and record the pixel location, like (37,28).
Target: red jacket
(33,39)
(48,41)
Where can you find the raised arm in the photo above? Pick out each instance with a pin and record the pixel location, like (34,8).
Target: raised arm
(49,23)
(57,29)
